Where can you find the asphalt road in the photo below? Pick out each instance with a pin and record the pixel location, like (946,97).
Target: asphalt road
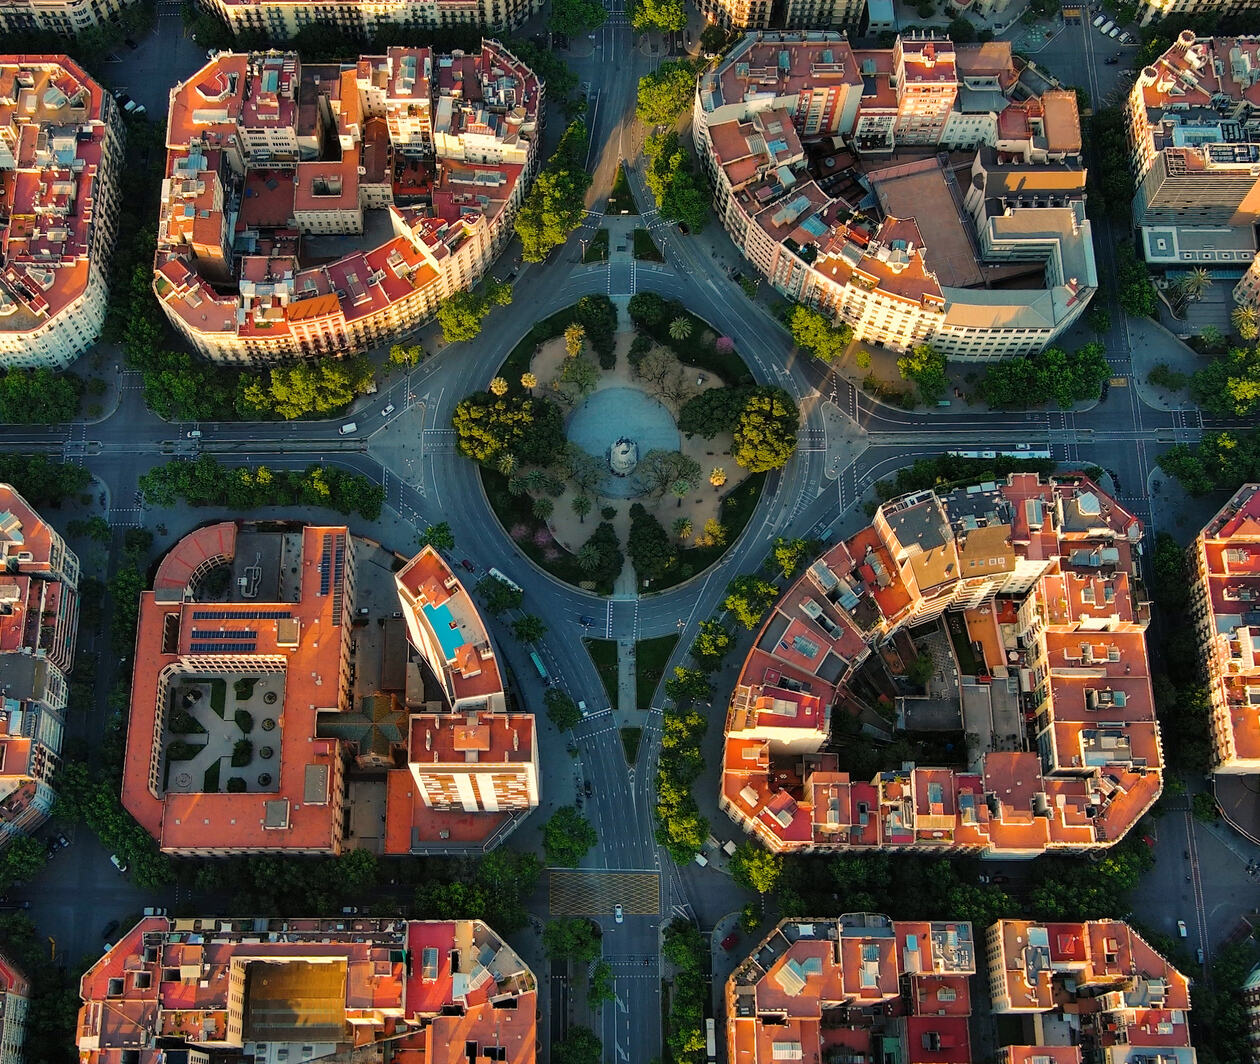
(411,452)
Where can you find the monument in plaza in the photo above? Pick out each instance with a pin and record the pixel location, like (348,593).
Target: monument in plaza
(623,456)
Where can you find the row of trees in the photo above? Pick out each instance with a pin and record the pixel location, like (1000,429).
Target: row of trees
(687,951)
(555,203)
(462,313)
(680,191)
(1229,385)
(814,331)
(39,396)
(1220,462)
(660,16)
(666,93)
(42,482)
(204,482)
(946,469)
(1053,374)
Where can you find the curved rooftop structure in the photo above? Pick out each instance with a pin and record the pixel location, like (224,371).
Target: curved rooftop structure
(1041,579)
(320,209)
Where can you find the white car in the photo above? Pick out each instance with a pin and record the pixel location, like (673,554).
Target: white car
(348,428)
(1099,20)
(117,862)
(619,914)
(388,410)
(1115,31)
(1181,928)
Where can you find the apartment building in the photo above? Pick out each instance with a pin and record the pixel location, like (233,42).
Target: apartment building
(1098,986)
(1041,580)
(1225,606)
(67,17)
(852,15)
(799,133)
(281,19)
(1157,10)
(472,769)
(15,995)
(299,990)
(242,620)
(858,986)
(418,161)
(61,147)
(1190,126)
(39,621)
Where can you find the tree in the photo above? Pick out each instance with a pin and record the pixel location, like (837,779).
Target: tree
(717,477)
(585,470)
(1229,385)
(322,387)
(662,16)
(588,557)
(406,355)
(680,196)
(1211,338)
(579,1046)
(578,378)
(567,837)
(562,711)
(666,93)
(574,338)
(39,396)
(925,366)
(755,868)
(439,537)
(461,313)
(497,595)
(815,332)
(529,381)
(765,437)
(682,528)
(649,545)
(21,860)
(529,628)
(789,553)
(573,17)
(1137,293)
(688,685)
(1194,284)
(498,386)
(1246,322)
(570,938)
(507,464)
(601,987)
(527,427)
(920,670)
(681,489)
(555,204)
(680,328)
(715,532)
(658,470)
(961,31)
(581,506)
(748,597)
(712,643)
(543,508)
(1099,317)
(712,411)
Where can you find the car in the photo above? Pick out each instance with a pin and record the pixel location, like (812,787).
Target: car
(619,914)
(153,910)
(1199,954)
(1111,60)
(139,109)
(1106,27)
(131,44)
(468,565)
(1114,31)
(62,841)
(587,788)
(348,428)
(682,228)
(388,410)
(349,910)
(1181,928)
(586,622)
(1099,20)
(110,928)
(195,434)
(118,862)
(1126,37)
(582,709)
(728,943)
(130,105)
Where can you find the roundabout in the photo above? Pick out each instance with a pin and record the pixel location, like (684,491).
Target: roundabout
(628,417)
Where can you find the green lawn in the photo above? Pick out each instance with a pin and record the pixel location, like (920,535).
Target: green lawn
(512,510)
(698,349)
(218,695)
(597,249)
(210,783)
(630,743)
(604,653)
(523,353)
(645,247)
(621,201)
(651,656)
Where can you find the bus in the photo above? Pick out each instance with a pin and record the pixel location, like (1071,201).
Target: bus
(542,669)
(504,580)
(710,1039)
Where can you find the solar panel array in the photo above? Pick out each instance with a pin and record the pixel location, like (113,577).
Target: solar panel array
(246,615)
(242,635)
(222,648)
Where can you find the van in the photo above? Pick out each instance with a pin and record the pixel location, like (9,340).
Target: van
(348,428)
(701,860)
(1099,21)
(582,707)
(195,434)
(1107,27)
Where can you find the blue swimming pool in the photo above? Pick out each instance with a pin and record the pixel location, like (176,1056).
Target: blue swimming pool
(443,622)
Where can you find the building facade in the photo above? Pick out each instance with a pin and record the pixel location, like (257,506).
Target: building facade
(299,990)
(1041,580)
(419,161)
(798,133)
(61,150)
(1225,606)
(67,17)
(39,620)
(281,19)
(16,994)
(1157,10)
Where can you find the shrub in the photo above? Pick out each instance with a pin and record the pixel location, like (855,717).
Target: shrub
(244,720)
(235,784)
(242,754)
(181,751)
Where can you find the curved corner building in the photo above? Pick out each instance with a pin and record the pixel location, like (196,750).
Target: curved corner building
(61,147)
(1044,641)
(320,209)
(837,172)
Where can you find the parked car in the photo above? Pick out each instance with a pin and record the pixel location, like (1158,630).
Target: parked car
(1106,27)
(349,910)
(131,44)
(468,565)
(118,862)
(587,788)
(1099,20)
(728,943)
(1112,60)
(153,910)
(619,914)
(1114,31)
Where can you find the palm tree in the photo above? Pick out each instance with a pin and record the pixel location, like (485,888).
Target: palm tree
(517,486)
(529,381)
(508,464)
(1246,323)
(543,507)
(574,337)
(536,481)
(499,386)
(1211,337)
(1194,284)
(683,528)
(681,488)
(589,558)
(581,506)
(718,477)
(680,328)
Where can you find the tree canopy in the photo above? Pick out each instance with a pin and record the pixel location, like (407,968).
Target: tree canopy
(650,547)
(462,313)
(1229,385)
(712,411)
(322,387)
(567,837)
(816,332)
(572,17)
(562,711)
(765,436)
(571,938)
(555,203)
(1221,462)
(756,868)
(659,15)
(39,396)
(681,195)
(666,92)
(526,426)
(925,366)
(748,597)
(439,536)
(580,1045)
(1053,374)
(41,481)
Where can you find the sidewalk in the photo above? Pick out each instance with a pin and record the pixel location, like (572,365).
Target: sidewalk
(1152,344)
